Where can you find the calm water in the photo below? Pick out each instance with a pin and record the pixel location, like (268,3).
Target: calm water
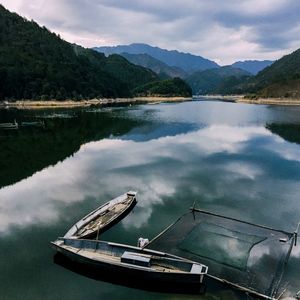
(236,159)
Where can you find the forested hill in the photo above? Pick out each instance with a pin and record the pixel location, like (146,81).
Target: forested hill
(281,79)
(38,64)
(221,80)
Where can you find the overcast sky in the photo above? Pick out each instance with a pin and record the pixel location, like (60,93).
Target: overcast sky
(221,30)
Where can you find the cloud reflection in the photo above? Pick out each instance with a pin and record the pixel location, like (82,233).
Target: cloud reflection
(107,168)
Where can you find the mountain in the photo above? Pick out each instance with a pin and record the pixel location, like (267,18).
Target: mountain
(38,64)
(252,66)
(155,65)
(173,58)
(217,81)
(281,79)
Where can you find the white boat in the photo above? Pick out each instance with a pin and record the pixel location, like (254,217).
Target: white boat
(13,125)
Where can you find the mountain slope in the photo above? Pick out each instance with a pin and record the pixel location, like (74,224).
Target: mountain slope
(38,64)
(220,80)
(157,66)
(252,66)
(167,88)
(281,79)
(185,61)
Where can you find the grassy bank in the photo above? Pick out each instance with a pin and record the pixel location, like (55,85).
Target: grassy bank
(28,104)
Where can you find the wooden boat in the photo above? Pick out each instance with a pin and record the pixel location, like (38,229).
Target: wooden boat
(13,125)
(33,124)
(103,217)
(138,264)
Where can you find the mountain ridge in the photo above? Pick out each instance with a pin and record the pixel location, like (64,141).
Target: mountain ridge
(186,61)
(252,66)
(157,66)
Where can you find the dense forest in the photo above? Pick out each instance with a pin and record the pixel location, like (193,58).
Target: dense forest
(167,88)
(281,79)
(223,80)
(38,64)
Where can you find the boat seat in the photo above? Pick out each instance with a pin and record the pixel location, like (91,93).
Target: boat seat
(196,269)
(135,259)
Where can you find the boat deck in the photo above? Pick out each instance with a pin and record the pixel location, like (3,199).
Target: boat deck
(155,266)
(101,221)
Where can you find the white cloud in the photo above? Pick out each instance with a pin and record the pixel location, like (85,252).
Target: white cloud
(221,30)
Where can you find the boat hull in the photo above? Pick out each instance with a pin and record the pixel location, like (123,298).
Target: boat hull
(76,231)
(109,276)
(135,273)
(112,223)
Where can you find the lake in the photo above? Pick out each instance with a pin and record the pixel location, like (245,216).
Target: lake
(240,160)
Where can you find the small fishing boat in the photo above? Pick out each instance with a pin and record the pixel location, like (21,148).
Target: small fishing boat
(33,124)
(138,264)
(57,116)
(13,125)
(103,217)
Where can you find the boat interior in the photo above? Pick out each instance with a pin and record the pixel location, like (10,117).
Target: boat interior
(131,256)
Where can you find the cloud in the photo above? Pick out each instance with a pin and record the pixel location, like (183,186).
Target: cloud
(222,30)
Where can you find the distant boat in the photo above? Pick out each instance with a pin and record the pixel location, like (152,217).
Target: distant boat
(154,103)
(57,116)
(103,217)
(134,263)
(33,124)
(13,125)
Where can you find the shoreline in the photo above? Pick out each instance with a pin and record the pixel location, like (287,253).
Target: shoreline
(271,101)
(32,104)
(242,99)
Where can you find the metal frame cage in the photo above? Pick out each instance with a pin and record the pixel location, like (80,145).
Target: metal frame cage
(247,256)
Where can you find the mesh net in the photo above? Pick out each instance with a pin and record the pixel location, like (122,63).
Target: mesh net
(247,255)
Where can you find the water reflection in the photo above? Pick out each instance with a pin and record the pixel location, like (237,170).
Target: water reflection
(112,277)
(220,155)
(30,149)
(156,168)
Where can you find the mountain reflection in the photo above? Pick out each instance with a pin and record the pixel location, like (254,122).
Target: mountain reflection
(30,149)
(159,169)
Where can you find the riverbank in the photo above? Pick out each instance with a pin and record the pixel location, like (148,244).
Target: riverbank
(271,101)
(242,99)
(29,104)
(229,98)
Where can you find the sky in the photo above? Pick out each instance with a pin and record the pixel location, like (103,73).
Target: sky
(221,30)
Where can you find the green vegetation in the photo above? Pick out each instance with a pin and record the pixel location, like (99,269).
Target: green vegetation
(37,64)
(224,80)
(167,88)
(281,79)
